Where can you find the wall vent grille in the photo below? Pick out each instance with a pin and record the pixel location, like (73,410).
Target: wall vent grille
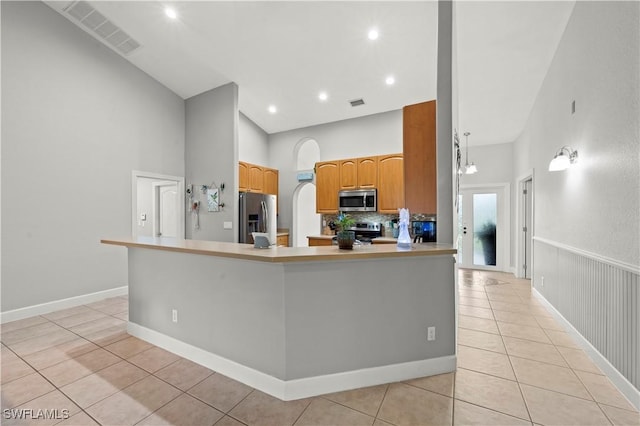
(101,27)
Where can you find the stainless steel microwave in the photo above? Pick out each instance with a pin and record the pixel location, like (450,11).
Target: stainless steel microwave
(357,200)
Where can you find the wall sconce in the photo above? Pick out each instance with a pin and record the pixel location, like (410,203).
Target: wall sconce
(469,168)
(563,159)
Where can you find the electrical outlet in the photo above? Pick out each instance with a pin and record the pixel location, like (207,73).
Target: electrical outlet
(542,281)
(174,315)
(431,333)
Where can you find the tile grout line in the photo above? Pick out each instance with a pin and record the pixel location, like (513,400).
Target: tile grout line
(524,400)
(526,406)
(303,411)
(55,388)
(343,405)
(381,403)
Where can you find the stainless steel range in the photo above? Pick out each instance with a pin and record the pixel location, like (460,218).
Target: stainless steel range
(366,231)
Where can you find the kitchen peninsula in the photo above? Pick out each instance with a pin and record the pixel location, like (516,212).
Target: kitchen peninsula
(296,322)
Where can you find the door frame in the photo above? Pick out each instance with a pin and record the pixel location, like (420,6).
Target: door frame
(519,219)
(135,175)
(156,203)
(503,254)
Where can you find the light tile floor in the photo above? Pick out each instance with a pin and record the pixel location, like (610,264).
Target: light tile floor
(516,366)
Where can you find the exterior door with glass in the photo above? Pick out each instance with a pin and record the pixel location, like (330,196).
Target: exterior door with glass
(481,228)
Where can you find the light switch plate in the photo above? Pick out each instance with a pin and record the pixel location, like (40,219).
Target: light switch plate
(228,225)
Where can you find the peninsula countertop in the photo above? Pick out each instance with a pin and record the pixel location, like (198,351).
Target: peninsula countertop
(279,254)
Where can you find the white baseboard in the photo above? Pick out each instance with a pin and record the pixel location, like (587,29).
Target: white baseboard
(624,386)
(288,390)
(56,305)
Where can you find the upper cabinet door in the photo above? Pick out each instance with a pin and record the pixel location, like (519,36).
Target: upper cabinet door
(327,186)
(348,174)
(390,183)
(243,176)
(270,181)
(367,172)
(420,163)
(256,178)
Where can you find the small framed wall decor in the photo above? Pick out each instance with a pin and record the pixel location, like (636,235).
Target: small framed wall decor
(213,200)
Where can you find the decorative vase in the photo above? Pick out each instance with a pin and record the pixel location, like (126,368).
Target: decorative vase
(346,239)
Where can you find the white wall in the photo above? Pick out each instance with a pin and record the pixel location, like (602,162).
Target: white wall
(211,155)
(593,206)
(145,206)
(371,135)
(494,166)
(253,142)
(76,120)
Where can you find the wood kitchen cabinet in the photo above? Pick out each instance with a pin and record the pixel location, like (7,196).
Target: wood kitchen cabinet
(314,241)
(243,176)
(420,162)
(256,178)
(359,173)
(349,174)
(367,172)
(327,186)
(390,183)
(270,181)
(282,240)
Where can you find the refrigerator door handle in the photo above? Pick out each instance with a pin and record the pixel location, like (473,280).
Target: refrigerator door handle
(264,216)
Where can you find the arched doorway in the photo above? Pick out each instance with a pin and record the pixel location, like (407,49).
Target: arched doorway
(305,219)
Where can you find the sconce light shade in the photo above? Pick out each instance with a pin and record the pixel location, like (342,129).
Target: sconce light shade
(471,168)
(563,159)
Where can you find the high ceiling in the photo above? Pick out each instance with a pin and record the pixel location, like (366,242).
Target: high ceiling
(285,53)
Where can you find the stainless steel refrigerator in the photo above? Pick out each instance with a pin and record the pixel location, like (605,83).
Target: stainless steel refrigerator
(257,214)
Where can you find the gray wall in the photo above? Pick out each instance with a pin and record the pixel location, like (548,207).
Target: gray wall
(253,142)
(211,155)
(593,206)
(375,134)
(76,120)
(298,320)
(587,216)
(444,126)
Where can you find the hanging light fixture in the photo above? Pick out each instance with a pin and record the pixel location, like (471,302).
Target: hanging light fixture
(469,168)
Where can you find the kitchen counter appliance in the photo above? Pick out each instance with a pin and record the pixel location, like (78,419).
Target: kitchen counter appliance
(357,200)
(424,231)
(257,214)
(365,231)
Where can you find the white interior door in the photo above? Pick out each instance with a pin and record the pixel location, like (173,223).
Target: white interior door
(167,210)
(483,227)
(154,210)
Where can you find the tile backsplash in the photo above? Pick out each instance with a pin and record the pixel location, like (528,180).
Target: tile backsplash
(375,217)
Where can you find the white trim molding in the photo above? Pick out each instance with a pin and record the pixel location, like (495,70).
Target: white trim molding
(634,269)
(179,180)
(45,308)
(626,388)
(288,390)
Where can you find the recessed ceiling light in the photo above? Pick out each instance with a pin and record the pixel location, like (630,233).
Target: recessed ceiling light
(390,80)
(272,109)
(171,13)
(323,96)
(373,34)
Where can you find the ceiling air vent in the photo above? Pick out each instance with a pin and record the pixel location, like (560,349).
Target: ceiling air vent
(356,102)
(101,27)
